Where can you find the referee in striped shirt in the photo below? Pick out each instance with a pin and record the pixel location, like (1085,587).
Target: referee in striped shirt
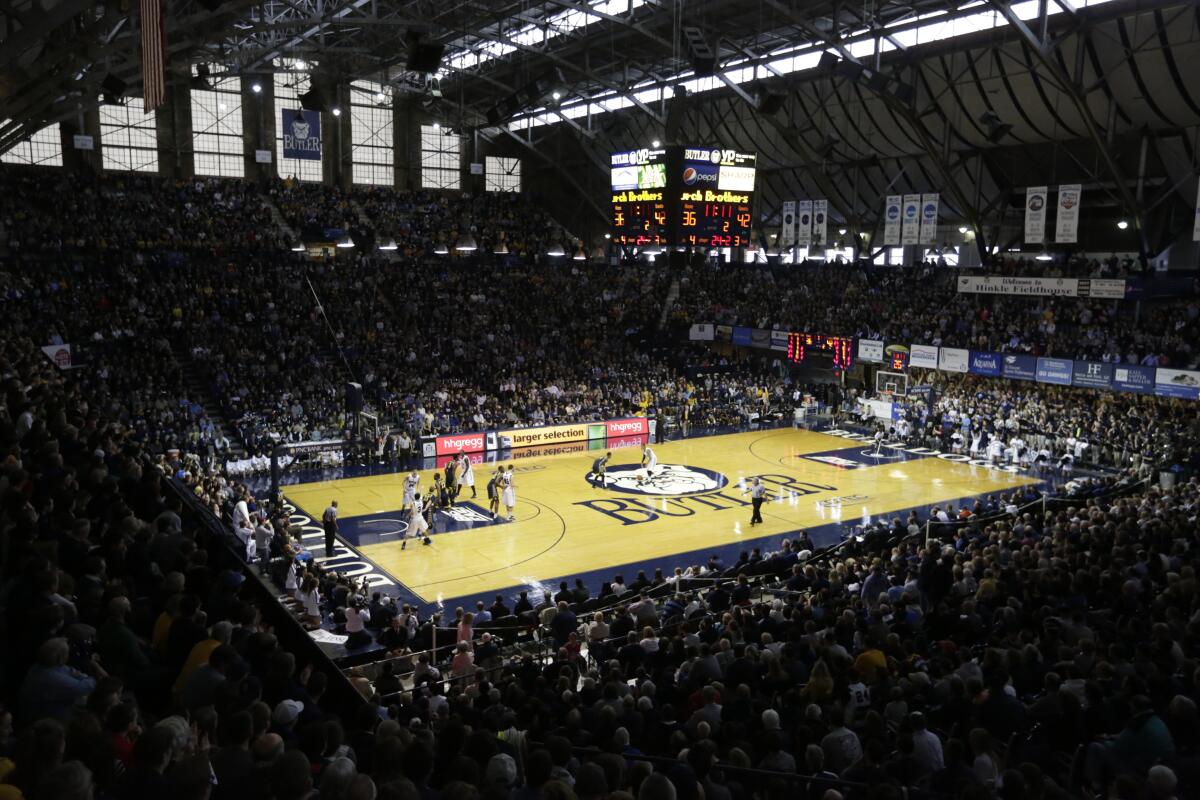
(757,493)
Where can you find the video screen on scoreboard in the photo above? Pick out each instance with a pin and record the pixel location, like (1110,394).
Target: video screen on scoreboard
(716,197)
(639,184)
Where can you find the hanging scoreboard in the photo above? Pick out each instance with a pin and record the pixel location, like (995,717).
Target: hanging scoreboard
(687,196)
(716,197)
(639,184)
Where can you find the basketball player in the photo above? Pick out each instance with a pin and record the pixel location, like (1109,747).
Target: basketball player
(598,467)
(410,489)
(649,460)
(493,493)
(509,495)
(452,479)
(418,526)
(466,473)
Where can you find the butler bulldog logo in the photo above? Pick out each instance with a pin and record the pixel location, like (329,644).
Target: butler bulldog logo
(300,128)
(664,479)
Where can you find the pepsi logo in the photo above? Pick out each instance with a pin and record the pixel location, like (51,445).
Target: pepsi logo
(692,176)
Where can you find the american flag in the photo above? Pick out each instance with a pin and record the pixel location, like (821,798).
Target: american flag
(154,55)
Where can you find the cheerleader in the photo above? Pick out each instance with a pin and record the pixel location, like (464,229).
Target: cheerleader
(649,460)
(466,473)
(418,526)
(410,489)
(509,495)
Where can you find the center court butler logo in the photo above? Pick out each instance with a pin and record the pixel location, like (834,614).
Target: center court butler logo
(667,480)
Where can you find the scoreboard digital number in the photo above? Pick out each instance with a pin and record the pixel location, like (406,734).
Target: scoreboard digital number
(689,196)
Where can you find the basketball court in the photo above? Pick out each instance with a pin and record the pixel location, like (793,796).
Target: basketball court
(567,527)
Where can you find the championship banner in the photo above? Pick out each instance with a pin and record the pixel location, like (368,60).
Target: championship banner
(820,215)
(804,212)
(1019,368)
(1133,378)
(891,220)
(1196,226)
(1035,214)
(953,359)
(1183,383)
(787,236)
(870,350)
(1067,226)
(984,363)
(1058,371)
(302,134)
(701,332)
(910,231)
(923,356)
(60,354)
(929,218)
(1093,374)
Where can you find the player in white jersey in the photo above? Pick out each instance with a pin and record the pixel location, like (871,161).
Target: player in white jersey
(418,526)
(509,494)
(410,489)
(649,460)
(466,473)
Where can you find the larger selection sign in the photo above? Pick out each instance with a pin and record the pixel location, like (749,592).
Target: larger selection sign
(695,196)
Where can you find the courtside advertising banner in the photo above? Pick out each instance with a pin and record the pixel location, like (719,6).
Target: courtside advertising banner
(891,220)
(1055,370)
(910,224)
(302,134)
(804,211)
(787,233)
(1067,225)
(1133,378)
(546,434)
(1035,214)
(1019,368)
(923,356)
(632,426)
(984,363)
(820,219)
(1183,383)
(929,218)
(1093,374)
(870,350)
(460,443)
(953,359)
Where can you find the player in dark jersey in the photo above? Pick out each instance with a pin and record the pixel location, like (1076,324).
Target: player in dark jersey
(493,491)
(598,467)
(452,479)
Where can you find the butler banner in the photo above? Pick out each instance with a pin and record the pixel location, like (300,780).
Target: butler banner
(787,235)
(302,134)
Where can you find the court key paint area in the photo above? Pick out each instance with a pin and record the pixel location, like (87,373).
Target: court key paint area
(566,526)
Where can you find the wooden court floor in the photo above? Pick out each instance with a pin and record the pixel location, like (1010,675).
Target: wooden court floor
(565,526)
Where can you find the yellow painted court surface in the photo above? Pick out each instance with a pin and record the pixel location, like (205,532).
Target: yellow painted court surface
(564,526)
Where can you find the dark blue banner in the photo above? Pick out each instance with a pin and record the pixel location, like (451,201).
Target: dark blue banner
(1054,370)
(743,336)
(1019,368)
(982,363)
(1092,374)
(1132,378)
(302,134)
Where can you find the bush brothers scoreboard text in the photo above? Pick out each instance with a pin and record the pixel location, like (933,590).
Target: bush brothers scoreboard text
(677,195)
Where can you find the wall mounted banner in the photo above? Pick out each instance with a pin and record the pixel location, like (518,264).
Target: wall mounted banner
(953,359)
(1058,371)
(870,350)
(983,363)
(924,356)
(820,218)
(1104,288)
(1183,383)
(779,340)
(1133,378)
(929,218)
(804,211)
(1067,226)
(891,220)
(701,332)
(910,225)
(301,134)
(1019,368)
(742,336)
(1093,374)
(1035,214)
(787,235)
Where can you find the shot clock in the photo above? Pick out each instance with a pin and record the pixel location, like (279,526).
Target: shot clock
(683,195)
